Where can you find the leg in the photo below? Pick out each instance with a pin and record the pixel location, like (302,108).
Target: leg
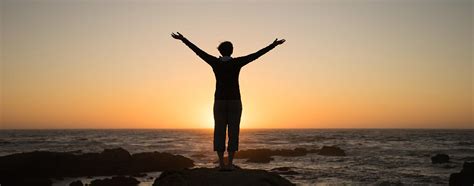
(231,158)
(219,130)
(220,154)
(235,112)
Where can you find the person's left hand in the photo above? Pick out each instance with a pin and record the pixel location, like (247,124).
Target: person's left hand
(177,36)
(278,42)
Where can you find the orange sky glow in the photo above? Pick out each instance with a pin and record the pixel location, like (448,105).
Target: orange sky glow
(346,64)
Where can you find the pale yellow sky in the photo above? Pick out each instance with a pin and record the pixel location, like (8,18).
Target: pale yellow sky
(346,64)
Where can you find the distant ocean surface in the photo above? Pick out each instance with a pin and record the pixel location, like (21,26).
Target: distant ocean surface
(374,156)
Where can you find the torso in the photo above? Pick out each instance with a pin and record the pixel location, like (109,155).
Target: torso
(227,80)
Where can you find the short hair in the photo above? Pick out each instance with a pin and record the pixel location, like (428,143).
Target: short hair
(225,48)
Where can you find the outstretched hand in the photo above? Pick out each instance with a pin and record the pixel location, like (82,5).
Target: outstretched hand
(177,36)
(278,42)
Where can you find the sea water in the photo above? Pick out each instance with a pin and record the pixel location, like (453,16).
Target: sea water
(374,156)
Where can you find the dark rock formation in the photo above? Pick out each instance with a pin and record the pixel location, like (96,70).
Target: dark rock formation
(76,183)
(284,171)
(118,161)
(331,151)
(36,181)
(255,155)
(198,155)
(159,161)
(389,183)
(206,176)
(463,178)
(440,158)
(115,181)
(260,159)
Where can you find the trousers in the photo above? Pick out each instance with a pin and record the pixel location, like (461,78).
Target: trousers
(227,115)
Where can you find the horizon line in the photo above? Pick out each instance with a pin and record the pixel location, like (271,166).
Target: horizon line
(276,128)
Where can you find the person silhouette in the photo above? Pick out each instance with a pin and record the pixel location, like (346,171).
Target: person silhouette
(227,103)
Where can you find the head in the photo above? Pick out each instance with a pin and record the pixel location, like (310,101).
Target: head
(225,48)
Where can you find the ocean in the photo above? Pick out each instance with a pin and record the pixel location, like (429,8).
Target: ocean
(374,156)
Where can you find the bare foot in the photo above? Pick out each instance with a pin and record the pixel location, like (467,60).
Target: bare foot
(231,167)
(221,167)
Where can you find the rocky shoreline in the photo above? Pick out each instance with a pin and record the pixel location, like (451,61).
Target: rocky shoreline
(463,178)
(40,167)
(209,176)
(35,168)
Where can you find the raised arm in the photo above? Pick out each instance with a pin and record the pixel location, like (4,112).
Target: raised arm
(251,57)
(203,55)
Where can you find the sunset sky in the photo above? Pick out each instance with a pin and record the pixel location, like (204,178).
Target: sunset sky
(346,64)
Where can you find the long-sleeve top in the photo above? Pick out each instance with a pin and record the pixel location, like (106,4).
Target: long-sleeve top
(227,72)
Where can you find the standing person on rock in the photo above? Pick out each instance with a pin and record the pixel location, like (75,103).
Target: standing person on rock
(227,102)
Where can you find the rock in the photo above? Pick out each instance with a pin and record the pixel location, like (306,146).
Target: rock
(256,155)
(207,176)
(116,160)
(289,173)
(281,169)
(292,153)
(249,153)
(463,178)
(37,164)
(331,151)
(159,161)
(36,181)
(44,164)
(284,171)
(389,183)
(117,155)
(76,183)
(440,158)
(198,156)
(115,181)
(260,159)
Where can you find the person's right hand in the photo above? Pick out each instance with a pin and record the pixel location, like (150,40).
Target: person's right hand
(177,36)
(278,42)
